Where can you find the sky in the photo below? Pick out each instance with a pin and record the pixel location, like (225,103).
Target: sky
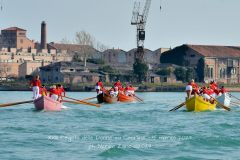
(201,22)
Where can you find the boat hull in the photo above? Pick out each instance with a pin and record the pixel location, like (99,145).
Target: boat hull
(124,98)
(224,99)
(106,98)
(197,104)
(47,104)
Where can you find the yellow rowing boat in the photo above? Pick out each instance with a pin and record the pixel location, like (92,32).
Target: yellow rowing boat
(198,104)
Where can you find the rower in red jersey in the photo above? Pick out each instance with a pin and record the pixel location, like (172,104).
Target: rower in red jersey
(43,90)
(54,93)
(61,91)
(223,90)
(195,88)
(118,84)
(35,84)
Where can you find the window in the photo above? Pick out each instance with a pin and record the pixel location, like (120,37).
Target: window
(210,72)
(192,55)
(71,70)
(21,40)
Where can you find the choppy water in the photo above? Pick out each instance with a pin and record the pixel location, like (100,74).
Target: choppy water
(118,131)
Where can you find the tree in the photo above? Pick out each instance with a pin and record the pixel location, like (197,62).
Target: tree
(108,69)
(164,72)
(140,69)
(86,41)
(200,69)
(190,74)
(180,74)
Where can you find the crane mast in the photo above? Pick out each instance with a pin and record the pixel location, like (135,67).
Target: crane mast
(140,20)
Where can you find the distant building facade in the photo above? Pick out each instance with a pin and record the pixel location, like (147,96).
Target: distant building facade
(220,63)
(15,37)
(68,72)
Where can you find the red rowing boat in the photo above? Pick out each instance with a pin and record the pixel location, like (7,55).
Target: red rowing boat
(47,104)
(123,98)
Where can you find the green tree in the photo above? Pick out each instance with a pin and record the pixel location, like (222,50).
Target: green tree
(140,69)
(164,72)
(180,74)
(108,69)
(189,74)
(200,69)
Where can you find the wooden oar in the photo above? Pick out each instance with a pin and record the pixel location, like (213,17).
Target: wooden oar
(221,105)
(15,103)
(139,99)
(233,96)
(235,103)
(177,107)
(76,102)
(84,102)
(88,98)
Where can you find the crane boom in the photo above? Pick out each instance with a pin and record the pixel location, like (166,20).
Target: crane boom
(146,11)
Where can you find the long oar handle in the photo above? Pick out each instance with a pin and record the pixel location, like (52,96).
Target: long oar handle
(233,96)
(88,98)
(139,99)
(84,102)
(75,102)
(177,107)
(15,103)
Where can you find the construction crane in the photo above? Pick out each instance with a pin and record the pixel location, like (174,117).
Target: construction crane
(140,20)
(1,5)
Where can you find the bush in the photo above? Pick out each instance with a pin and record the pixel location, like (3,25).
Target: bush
(164,72)
(108,69)
(96,61)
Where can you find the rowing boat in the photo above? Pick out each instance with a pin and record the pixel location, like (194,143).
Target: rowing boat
(198,104)
(106,98)
(224,99)
(46,103)
(124,98)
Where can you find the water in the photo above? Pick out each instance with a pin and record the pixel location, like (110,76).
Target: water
(117,131)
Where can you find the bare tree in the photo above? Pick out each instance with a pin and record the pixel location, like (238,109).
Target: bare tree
(101,47)
(87,42)
(66,41)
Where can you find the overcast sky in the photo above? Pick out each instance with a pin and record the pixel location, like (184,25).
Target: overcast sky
(210,22)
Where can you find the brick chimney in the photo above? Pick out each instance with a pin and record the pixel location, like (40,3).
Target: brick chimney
(43,35)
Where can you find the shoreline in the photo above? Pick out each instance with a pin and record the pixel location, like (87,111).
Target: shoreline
(138,89)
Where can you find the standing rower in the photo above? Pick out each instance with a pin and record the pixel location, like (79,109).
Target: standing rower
(35,84)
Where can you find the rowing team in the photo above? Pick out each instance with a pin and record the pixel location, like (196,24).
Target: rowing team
(56,92)
(208,93)
(115,90)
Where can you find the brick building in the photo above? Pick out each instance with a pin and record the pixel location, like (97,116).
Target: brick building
(15,37)
(220,63)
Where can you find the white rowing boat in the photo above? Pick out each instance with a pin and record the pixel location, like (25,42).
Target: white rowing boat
(224,99)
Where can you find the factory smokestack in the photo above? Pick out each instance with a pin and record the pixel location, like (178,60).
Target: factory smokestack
(43,35)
